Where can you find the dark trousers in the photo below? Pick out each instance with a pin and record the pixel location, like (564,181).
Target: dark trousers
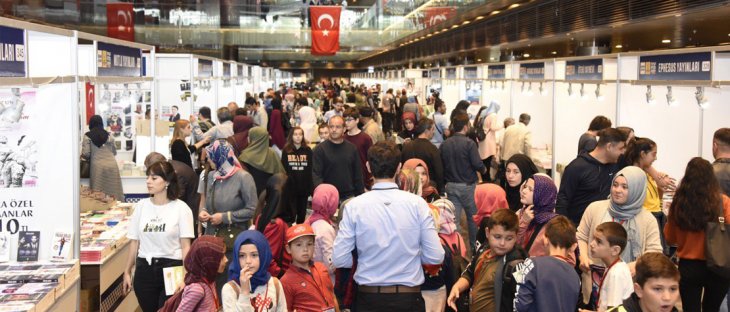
(149,283)
(387,122)
(300,207)
(696,278)
(661,220)
(405,302)
(488,163)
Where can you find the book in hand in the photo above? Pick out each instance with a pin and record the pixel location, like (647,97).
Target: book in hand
(28,243)
(62,245)
(4,247)
(174,276)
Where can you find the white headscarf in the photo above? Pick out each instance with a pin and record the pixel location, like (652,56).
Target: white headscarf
(308,123)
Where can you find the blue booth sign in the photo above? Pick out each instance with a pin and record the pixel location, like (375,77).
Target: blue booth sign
(688,66)
(496,72)
(584,70)
(12,52)
(205,68)
(471,73)
(118,61)
(451,73)
(435,74)
(532,71)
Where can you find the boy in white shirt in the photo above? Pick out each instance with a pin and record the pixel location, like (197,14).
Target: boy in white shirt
(608,242)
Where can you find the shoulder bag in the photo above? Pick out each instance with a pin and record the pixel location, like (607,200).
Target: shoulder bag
(228,232)
(717,240)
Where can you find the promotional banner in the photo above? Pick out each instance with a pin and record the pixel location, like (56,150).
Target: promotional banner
(12,52)
(90,102)
(120,20)
(118,61)
(688,66)
(584,70)
(496,72)
(325,29)
(471,73)
(532,71)
(451,73)
(436,15)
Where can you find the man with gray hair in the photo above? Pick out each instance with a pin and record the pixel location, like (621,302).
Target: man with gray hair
(517,139)
(187,180)
(221,131)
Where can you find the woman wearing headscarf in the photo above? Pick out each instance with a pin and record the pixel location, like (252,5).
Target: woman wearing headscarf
(276,128)
(487,120)
(239,139)
(538,195)
(250,287)
(519,168)
(488,197)
(409,127)
(308,123)
(461,107)
(324,205)
(270,215)
(98,149)
(428,191)
(626,206)
(259,159)
(204,262)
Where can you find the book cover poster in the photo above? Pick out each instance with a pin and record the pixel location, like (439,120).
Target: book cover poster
(4,247)
(62,243)
(17,143)
(28,243)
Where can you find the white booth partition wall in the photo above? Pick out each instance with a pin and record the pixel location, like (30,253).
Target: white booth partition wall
(577,103)
(242,84)
(226,91)
(498,88)
(205,85)
(532,94)
(256,79)
(39,139)
(449,88)
(660,100)
(174,87)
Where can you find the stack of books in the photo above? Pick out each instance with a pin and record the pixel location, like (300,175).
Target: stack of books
(35,286)
(102,232)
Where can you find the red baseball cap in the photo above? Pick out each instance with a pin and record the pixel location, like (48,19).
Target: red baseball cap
(298,231)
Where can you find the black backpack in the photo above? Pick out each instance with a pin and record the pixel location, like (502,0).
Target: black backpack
(458,265)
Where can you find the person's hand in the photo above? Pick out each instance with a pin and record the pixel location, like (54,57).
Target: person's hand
(453,296)
(585,263)
(529,213)
(666,182)
(202,142)
(244,280)
(193,118)
(127,283)
(216,218)
(203,216)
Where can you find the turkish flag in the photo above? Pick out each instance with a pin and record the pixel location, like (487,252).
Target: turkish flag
(90,102)
(325,29)
(436,15)
(120,20)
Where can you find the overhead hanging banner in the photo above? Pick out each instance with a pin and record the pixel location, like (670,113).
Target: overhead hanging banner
(205,68)
(436,15)
(584,70)
(325,29)
(532,71)
(12,53)
(496,72)
(687,66)
(471,73)
(120,20)
(118,61)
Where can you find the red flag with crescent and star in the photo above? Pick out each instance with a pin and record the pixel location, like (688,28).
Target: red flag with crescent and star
(120,20)
(325,29)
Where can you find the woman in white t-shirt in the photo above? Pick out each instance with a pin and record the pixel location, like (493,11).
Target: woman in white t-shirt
(160,232)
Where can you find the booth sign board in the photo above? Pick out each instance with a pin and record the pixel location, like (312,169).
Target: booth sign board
(471,73)
(584,70)
(451,73)
(118,61)
(496,72)
(205,68)
(226,70)
(12,53)
(532,71)
(687,66)
(435,74)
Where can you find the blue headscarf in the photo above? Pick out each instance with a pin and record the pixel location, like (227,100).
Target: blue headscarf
(261,277)
(226,163)
(493,108)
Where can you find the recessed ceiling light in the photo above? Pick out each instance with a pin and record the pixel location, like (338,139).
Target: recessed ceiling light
(429,35)
(618,46)
(465,22)
(494,12)
(526,55)
(491,59)
(554,52)
(478,18)
(479,60)
(445,29)
(514,6)
(666,41)
(455,26)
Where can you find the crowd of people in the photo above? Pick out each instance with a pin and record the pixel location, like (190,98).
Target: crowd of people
(335,197)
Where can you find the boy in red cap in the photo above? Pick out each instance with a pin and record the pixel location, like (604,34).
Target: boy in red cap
(306,284)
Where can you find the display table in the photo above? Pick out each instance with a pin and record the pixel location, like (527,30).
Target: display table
(39,286)
(101,283)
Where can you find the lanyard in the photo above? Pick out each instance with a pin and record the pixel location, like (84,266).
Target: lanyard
(600,284)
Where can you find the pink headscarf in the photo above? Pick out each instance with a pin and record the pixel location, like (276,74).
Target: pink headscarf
(447,230)
(325,201)
(488,197)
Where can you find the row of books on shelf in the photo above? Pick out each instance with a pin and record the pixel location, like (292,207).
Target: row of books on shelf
(35,286)
(103,231)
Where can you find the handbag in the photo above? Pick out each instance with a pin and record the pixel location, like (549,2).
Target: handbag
(717,238)
(228,232)
(85,167)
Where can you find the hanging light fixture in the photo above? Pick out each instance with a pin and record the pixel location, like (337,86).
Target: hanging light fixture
(649,96)
(671,100)
(570,89)
(599,94)
(582,91)
(702,100)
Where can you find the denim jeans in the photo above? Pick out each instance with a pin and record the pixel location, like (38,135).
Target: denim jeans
(462,195)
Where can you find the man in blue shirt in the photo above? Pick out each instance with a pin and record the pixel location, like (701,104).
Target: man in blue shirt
(441,121)
(394,234)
